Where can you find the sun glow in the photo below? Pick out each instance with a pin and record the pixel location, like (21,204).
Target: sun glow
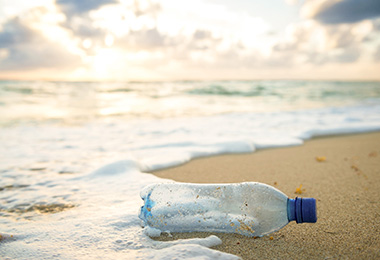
(106,62)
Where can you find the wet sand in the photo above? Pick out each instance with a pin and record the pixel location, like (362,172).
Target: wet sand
(346,185)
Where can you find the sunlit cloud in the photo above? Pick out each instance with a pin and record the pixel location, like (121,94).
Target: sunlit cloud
(28,43)
(168,39)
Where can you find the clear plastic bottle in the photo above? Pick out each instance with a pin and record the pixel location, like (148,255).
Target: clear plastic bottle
(250,208)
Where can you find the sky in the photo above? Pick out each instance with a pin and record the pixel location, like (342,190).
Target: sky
(189,40)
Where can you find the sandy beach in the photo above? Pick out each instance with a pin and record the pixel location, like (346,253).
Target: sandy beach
(345,181)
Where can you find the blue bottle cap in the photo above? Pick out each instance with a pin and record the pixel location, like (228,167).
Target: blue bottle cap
(302,210)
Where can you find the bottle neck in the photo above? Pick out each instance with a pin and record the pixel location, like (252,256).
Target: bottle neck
(294,212)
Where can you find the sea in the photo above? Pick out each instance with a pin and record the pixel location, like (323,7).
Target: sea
(74,156)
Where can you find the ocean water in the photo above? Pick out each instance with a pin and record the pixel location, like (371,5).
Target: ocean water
(75,155)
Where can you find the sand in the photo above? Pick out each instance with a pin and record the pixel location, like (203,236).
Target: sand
(346,185)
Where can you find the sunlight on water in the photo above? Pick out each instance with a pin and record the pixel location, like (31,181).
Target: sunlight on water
(83,101)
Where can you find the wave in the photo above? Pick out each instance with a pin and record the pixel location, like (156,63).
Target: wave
(229,90)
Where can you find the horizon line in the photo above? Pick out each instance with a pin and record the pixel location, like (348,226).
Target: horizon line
(188,80)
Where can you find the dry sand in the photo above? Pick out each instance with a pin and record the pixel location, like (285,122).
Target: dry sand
(346,186)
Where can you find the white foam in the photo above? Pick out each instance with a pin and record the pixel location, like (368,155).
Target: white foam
(152,232)
(191,252)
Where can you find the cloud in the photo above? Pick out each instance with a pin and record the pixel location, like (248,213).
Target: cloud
(291,2)
(114,39)
(341,11)
(25,48)
(129,24)
(140,37)
(310,42)
(79,21)
(376,57)
(75,7)
(144,39)
(13,32)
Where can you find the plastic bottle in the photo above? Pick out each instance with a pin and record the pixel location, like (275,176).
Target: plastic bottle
(250,208)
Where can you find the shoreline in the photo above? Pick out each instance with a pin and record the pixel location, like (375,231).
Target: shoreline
(346,185)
